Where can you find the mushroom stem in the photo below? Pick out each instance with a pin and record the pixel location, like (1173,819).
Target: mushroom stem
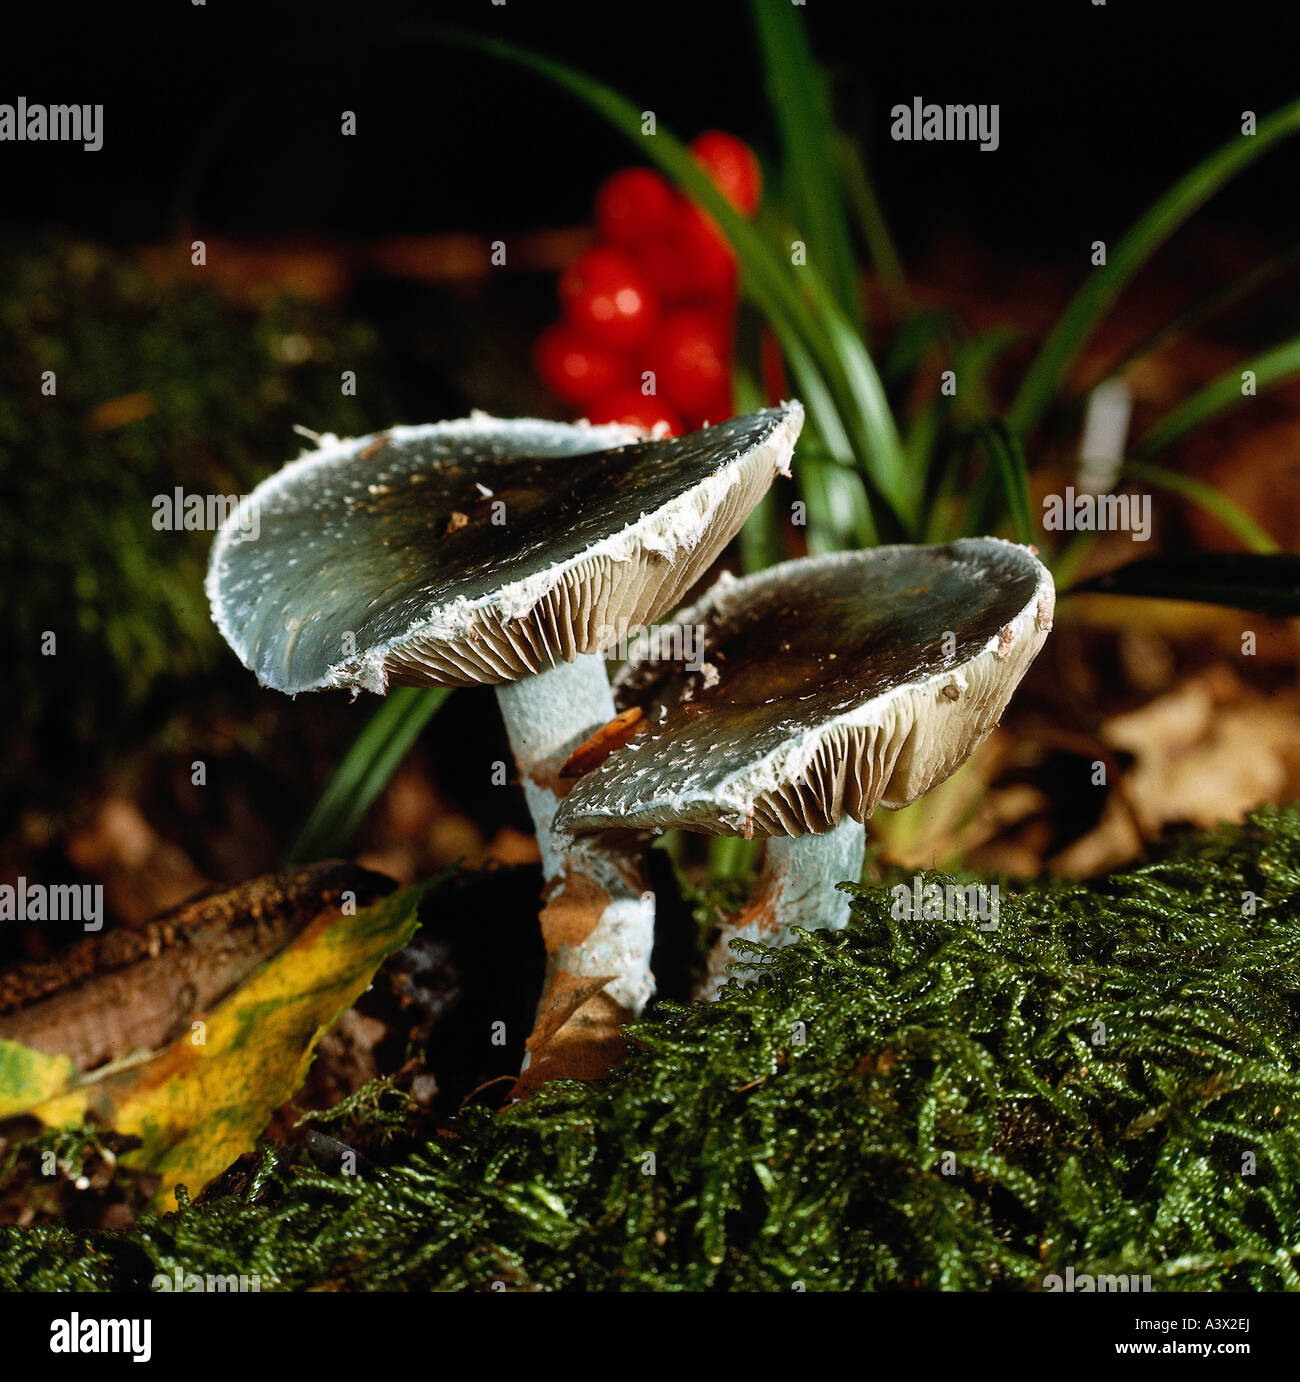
(796,888)
(598,913)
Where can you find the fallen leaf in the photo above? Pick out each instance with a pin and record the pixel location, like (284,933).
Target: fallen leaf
(566,995)
(591,753)
(200,1102)
(578,1037)
(1208,751)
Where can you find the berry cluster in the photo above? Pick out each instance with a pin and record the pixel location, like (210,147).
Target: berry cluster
(649,312)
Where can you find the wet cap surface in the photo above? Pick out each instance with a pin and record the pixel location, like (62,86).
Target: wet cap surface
(391,539)
(822,690)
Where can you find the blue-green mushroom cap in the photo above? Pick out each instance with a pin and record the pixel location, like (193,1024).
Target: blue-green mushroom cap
(479,550)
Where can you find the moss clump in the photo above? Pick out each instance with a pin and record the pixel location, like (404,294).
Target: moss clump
(904,1104)
(158,385)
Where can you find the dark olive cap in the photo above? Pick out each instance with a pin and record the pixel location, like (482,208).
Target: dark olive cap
(821,688)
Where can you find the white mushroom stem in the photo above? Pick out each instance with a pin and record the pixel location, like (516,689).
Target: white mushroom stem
(795,889)
(598,917)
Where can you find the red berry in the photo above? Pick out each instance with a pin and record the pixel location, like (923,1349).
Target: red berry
(633,207)
(690,260)
(574,369)
(608,299)
(663,264)
(635,409)
(731,164)
(719,410)
(690,354)
(708,266)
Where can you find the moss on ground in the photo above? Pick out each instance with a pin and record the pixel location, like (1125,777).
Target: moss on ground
(159,385)
(904,1104)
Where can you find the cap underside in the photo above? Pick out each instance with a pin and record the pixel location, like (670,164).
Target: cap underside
(481,550)
(822,688)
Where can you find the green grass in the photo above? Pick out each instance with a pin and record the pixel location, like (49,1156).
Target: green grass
(372,758)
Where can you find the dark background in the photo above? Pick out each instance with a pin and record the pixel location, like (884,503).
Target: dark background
(228,113)
(223,120)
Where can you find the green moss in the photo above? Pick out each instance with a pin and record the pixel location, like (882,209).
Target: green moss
(217,390)
(904,1104)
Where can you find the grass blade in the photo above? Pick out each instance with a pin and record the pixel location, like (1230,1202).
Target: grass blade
(880,444)
(760,535)
(1071,557)
(1228,295)
(923,433)
(1270,367)
(1216,504)
(917,334)
(1009,459)
(975,360)
(816,398)
(861,193)
(374,756)
(800,100)
(838,513)
(1269,584)
(731,858)
(1090,303)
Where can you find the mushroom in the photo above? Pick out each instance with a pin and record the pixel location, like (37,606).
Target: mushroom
(508,553)
(823,688)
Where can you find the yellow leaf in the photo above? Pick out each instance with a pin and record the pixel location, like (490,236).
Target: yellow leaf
(27,1077)
(201,1102)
